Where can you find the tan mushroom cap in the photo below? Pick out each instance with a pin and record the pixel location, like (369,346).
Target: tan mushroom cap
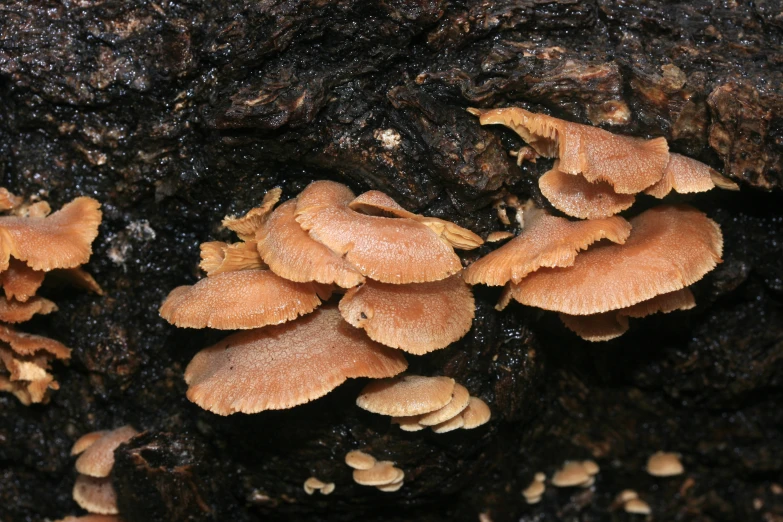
(91,518)
(218,257)
(19,281)
(685,175)
(240,300)
(499,235)
(61,240)
(282,366)
(571,474)
(376,203)
(312,484)
(663,464)
(534,491)
(28,344)
(13,311)
(32,371)
(406,395)
(476,414)
(577,197)
(591,467)
(460,398)
(98,459)
(629,164)
(637,506)
(359,460)
(417,318)
(545,241)
(87,440)
(389,250)
(380,474)
(246,226)
(452,424)
(391,488)
(96,495)
(291,253)
(8,201)
(670,247)
(626,495)
(409,423)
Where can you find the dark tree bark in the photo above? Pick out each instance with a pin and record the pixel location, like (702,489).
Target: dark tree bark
(174,114)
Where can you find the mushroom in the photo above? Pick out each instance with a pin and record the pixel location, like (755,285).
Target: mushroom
(409,423)
(670,247)
(451,424)
(637,506)
(417,318)
(545,241)
(61,240)
(389,250)
(685,175)
(534,491)
(591,467)
(577,197)
(19,281)
(383,475)
(27,358)
(96,495)
(97,459)
(663,464)
(476,414)
(8,201)
(218,257)
(570,475)
(281,366)
(406,395)
(246,226)
(291,253)
(91,518)
(312,485)
(241,300)
(13,311)
(499,235)
(359,460)
(460,398)
(85,441)
(628,164)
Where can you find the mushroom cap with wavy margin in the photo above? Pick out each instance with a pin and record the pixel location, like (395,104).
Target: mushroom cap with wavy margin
(282,366)
(28,344)
(19,281)
(406,395)
(246,226)
(577,197)
(685,175)
(97,460)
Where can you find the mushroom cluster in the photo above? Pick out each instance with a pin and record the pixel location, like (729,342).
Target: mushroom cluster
(631,503)
(416,402)
(575,473)
(367,471)
(637,267)
(33,243)
(397,270)
(93,490)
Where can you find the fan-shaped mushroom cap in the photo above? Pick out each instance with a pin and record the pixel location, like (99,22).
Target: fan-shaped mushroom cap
(637,506)
(28,344)
(240,300)
(417,318)
(96,495)
(577,197)
(452,424)
(591,467)
(61,240)
(87,440)
(312,484)
(8,201)
(406,395)
(218,257)
(389,250)
(685,175)
(571,474)
(662,464)
(629,164)
(476,414)
(460,398)
(291,253)
(19,281)
(246,226)
(12,311)
(359,460)
(545,241)
(98,459)
(376,203)
(380,474)
(409,423)
(283,366)
(670,247)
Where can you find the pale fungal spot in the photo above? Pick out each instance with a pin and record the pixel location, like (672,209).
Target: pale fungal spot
(662,464)
(389,139)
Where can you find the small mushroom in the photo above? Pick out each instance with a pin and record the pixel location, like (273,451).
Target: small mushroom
(380,474)
(91,518)
(626,495)
(406,395)
(417,318)
(8,201)
(452,424)
(282,366)
(663,464)
(577,197)
(95,494)
(637,506)
(460,399)
(359,460)
(476,414)
(409,423)
(591,467)
(534,491)
(13,311)
(246,226)
(19,281)
(570,475)
(97,459)
(312,485)
(685,175)
(499,235)
(29,344)
(86,440)
(390,488)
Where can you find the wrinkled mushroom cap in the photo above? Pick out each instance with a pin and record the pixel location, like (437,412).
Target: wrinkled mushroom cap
(460,398)
(476,414)
(13,311)
(28,344)
(545,241)
(98,459)
(686,175)
(663,464)
(19,281)
(577,197)
(670,247)
(239,301)
(246,226)
(417,318)
(96,495)
(282,366)
(406,395)
(389,250)
(359,460)
(291,253)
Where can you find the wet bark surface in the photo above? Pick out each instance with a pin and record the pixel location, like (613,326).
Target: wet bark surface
(174,114)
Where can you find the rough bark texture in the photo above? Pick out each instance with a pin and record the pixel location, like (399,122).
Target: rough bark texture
(174,114)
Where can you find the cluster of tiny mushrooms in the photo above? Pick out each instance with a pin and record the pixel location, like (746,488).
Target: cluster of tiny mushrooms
(36,245)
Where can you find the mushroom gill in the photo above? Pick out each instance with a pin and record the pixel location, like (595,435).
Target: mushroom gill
(218,257)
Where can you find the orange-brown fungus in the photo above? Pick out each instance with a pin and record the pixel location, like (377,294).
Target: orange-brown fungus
(417,318)
(8,201)
(218,257)
(61,240)
(13,311)
(628,164)
(97,459)
(407,395)
(240,300)
(545,241)
(685,175)
(577,197)
(26,360)
(670,247)
(389,250)
(283,366)
(96,495)
(91,518)
(460,398)
(246,226)
(291,253)
(19,281)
